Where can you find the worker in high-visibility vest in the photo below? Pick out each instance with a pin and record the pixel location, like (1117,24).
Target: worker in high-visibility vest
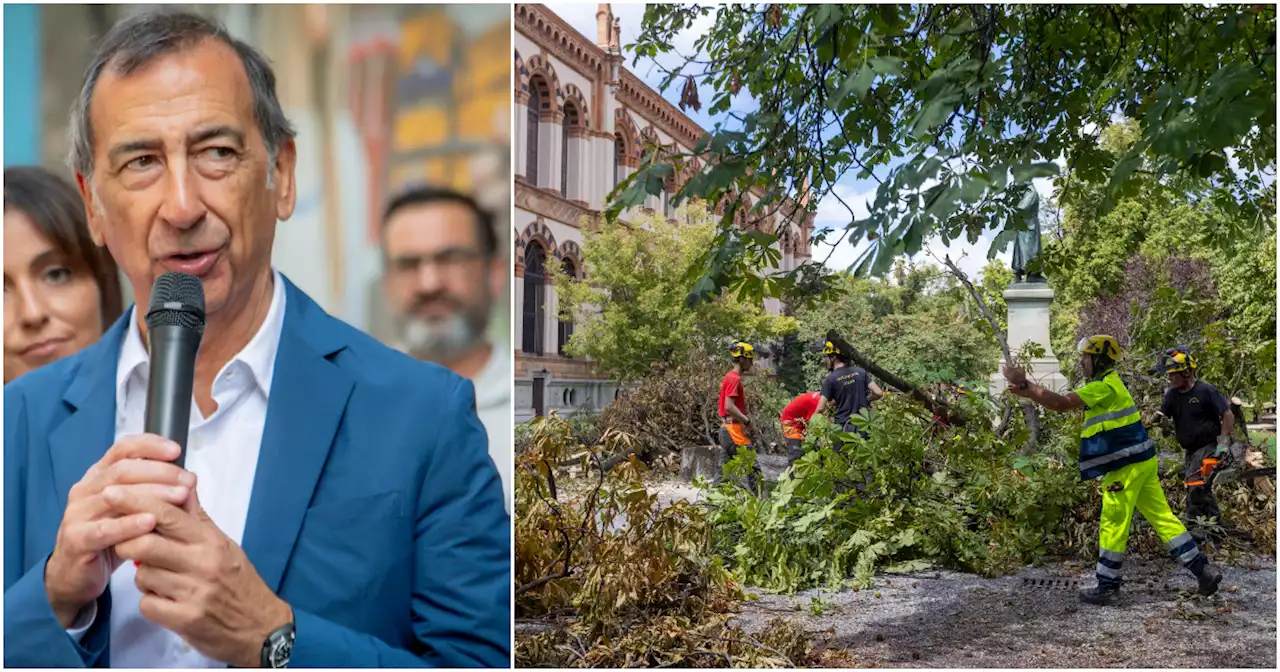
(1114,445)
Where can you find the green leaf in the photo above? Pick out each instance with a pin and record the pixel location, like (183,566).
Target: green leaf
(1000,242)
(888,65)
(856,85)
(972,188)
(934,113)
(1026,172)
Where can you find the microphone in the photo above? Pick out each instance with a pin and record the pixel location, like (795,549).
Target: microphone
(175,323)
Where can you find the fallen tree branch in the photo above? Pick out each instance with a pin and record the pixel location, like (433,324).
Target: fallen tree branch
(539,582)
(614,461)
(752,642)
(570,543)
(1028,409)
(939,408)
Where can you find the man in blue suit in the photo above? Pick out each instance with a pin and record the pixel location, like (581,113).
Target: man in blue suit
(338,506)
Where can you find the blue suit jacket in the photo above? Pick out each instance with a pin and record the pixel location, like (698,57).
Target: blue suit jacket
(376,511)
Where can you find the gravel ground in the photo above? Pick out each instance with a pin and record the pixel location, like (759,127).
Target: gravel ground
(950,619)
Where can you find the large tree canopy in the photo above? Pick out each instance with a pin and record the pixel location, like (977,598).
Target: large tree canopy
(954,110)
(630,317)
(1154,272)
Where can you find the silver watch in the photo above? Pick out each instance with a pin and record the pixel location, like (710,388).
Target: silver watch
(278,647)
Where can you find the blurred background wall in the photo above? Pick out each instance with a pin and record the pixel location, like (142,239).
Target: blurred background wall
(383,96)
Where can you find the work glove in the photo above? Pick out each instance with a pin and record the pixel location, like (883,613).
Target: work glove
(1224,447)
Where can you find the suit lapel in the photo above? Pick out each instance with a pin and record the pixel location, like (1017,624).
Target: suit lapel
(89,429)
(309,396)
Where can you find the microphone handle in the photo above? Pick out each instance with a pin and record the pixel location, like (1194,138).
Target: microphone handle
(173,364)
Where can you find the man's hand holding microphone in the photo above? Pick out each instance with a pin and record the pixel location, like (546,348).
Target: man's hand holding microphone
(84,555)
(135,504)
(138,503)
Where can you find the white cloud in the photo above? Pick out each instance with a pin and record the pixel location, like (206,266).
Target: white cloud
(832,212)
(969,257)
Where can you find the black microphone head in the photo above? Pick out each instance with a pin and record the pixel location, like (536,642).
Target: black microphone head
(177,299)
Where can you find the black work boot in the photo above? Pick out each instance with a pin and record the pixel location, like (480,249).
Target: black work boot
(1209,577)
(1101,594)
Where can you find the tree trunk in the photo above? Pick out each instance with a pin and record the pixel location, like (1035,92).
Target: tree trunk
(1028,409)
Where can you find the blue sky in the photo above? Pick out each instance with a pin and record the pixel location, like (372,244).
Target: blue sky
(831,213)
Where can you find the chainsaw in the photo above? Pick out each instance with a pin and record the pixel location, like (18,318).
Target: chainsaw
(1228,467)
(1217,470)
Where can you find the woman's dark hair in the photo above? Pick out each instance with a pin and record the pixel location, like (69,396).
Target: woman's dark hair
(56,209)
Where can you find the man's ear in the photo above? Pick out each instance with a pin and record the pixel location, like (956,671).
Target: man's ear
(91,208)
(499,274)
(285,173)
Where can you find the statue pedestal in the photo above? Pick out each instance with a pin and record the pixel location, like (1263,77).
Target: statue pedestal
(1028,305)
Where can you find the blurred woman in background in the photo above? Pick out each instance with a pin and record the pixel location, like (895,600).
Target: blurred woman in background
(61,291)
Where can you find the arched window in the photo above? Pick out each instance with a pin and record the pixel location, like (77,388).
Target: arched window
(570,121)
(566,328)
(535,295)
(619,155)
(531,148)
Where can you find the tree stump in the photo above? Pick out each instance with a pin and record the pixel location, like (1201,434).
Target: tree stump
(705,461)
(708,462)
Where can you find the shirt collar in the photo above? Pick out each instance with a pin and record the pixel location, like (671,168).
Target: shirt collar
(259,355)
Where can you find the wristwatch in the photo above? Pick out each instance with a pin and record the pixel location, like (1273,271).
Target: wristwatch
(1024,385)
(278,647)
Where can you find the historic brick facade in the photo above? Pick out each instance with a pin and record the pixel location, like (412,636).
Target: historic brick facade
(582,123)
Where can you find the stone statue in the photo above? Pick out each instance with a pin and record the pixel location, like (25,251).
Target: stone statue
(1026,253)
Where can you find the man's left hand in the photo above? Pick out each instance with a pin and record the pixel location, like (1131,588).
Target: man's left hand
(1014,374)
(198,583)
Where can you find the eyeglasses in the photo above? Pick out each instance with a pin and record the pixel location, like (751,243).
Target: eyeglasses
(452,259)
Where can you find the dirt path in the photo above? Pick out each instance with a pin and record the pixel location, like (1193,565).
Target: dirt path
(1033,619)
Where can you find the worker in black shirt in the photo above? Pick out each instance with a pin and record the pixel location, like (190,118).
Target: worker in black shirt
(847,386)
(1202,422)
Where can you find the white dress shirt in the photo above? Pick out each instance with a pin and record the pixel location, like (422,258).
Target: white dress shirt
(493,405)
(222,451)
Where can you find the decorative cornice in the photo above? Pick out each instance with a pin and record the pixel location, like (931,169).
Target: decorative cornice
(552,205)
(568,45)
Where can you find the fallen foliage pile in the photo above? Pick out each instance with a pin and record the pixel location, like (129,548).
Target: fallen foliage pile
(1248,524)
(919,493)
(677,407)
(604,577)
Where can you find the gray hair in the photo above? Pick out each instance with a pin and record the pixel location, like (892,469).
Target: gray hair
(135,42)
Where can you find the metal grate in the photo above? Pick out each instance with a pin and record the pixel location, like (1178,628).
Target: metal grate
(1135,585)
(1050,584)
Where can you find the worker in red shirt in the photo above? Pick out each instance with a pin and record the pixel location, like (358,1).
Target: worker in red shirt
(735,426)
(795,419)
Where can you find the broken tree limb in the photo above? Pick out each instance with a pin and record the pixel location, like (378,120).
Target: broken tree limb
(609,463)
(1028,409)
(939,408)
